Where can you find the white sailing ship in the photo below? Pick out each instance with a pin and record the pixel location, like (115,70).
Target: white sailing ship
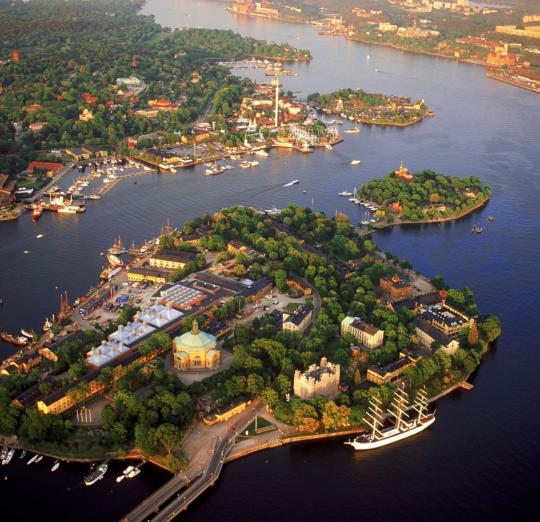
(405,425)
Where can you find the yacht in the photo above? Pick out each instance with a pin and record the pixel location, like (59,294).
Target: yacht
(404,426)
(345,194)
(96,475)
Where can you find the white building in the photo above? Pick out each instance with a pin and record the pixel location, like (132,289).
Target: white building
(317,380)
(365,333)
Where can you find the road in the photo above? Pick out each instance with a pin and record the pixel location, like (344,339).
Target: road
(199,486)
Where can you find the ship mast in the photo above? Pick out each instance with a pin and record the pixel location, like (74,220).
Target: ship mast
(421,403)
(398,407)
(374,418)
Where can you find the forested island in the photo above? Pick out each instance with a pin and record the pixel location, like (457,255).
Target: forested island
(370,108)
(424,196)
(341,283)
(96,72)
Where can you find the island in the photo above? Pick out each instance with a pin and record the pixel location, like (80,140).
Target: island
(276,326)
(422,197)
(374,109)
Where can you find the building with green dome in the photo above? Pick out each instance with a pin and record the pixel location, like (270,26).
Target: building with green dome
(195,350)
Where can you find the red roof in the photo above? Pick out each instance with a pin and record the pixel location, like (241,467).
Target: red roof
(55,167)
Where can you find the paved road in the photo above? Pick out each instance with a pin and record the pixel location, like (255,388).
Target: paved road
(199,486)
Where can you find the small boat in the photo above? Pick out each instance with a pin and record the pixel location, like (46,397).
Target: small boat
(245,164)
(23,454)
(491,218)
(37,210)
(39,459)
(327,146)
(94,196)
(56,465)
(120,478)
(28,334)
(254,163)
(353,130)
(47,325)
(96,475)
(304,191)
(355,162)
(26,251)
(133,473)
(39,236)
(262,153)
(345,194)
(8,456)
(128,470)
(364,222)
(291,183)
(477,229)
(32,459)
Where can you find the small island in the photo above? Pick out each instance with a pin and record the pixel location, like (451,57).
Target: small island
(369,108)
(423,197)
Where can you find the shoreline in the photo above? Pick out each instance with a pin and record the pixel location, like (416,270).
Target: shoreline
(385,224)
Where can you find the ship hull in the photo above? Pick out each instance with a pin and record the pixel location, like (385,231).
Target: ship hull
(391,438)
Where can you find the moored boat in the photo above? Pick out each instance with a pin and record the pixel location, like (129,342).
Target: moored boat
(404,426)
(96,475)
(17,341)
(55,465)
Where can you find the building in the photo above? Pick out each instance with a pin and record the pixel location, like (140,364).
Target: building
(386,27)
(132,82)
(171,259)
(195,350)
(148,275)
(47,168)
(396,287)
(446,319)
(427,334)
(225,413)
(77,153)
(37,126)
(317,380)
(531,31)
(299,320)
(403,174)
(364,333)
(390,372)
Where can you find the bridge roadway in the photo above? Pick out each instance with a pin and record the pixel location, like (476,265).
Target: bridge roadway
(201,484)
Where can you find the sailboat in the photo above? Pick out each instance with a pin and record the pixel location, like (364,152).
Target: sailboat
(403,427)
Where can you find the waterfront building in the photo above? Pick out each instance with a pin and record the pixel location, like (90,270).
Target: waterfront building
(396,287)
(148,275)
(195,350)
(158,316)
(367,334)
(299,320)
(317,380)
(48,168)
(403,174)
(171,259)
(392,371)
(444,318)
(428,334)
(132,82)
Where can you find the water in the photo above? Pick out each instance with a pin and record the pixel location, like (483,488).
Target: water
(482,454)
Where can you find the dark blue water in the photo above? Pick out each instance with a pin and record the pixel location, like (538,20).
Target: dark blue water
(481,457)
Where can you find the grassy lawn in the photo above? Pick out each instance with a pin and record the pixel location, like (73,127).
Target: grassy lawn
(291,307)
(257,427)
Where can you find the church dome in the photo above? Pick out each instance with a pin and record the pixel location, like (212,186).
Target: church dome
(194,340)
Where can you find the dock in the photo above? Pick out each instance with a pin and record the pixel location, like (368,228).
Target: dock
(466,385)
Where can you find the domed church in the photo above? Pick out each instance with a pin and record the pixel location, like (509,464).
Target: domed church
(195,350)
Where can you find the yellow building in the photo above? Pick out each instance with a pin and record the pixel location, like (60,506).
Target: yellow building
(171,259)
(365,333)
(196,350)
(390,372)
(224,414)
(147,275)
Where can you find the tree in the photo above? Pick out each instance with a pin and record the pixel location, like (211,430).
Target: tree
(334,416)
(472,337)
(269,397)
(167,437)
(491,328)
(282,385)
(255,384)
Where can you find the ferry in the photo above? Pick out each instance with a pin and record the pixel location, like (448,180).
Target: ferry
(17,341)
(404,426)
(355,162)
(291,183)
(96,475)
